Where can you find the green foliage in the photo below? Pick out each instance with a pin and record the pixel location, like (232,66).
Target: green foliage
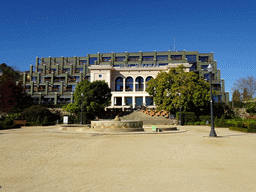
(9,74)
(96,96)
(38,113)
(240,124)
(203,123)
(166,86)
(197,123)
(13,98)
(205,118)
(251,108)
(252,126)
(45,122)
(186,117)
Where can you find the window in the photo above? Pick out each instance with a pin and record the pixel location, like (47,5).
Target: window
(148,58)
(129,84)
(120,59)
(128,100)
(68,88)
(27,88)
(176,57)
(56,88)
(193,67)
(139,84)
(41,88)
(119,84)
(148,65)
(133,65)
(217,98)
(161,57)
(149,101)
(33,79)
(203,58)
(82,62)
(66,70)
(79,70)
(73,87)
(191,58)
(147,79)
(106,59)
(92,60)
(40,70)
(100,76)
(162,64)
(59,79)
(204,67)
(134,58)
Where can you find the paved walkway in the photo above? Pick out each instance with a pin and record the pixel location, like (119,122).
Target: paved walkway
(33,159)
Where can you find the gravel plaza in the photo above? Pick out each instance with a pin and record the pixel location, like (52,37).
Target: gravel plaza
(43,159)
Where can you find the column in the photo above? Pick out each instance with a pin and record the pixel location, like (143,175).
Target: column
(123,101)
(133,101)
(134,83)
(124,84)
(55,98)
(112,101)
(144,101)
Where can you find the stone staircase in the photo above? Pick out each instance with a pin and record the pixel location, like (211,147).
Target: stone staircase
(147,119)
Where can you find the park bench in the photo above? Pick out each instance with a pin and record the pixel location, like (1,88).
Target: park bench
(20,122)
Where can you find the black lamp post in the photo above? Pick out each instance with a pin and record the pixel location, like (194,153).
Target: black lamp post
(81,121)
(212,133)
(180,109)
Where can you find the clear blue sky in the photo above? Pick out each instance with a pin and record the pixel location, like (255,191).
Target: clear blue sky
(76,28)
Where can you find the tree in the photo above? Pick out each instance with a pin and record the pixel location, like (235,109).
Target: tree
(246,85)
(13,98)
(236,95)
(165,87)
(96,96)
(9,74)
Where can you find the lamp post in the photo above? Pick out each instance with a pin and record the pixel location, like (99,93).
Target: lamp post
(212,133)
(180,109)
(81,121)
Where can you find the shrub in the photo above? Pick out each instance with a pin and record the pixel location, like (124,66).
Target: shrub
(205,118)
(202,123)
(186,117)
(252,125)
(45,122)
(240,124)
(197,123)
(37,113)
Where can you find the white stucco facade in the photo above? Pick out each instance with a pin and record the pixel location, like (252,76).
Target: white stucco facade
(128,84)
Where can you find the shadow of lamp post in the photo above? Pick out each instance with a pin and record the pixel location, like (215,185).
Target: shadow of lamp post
(81,121)
(212,133)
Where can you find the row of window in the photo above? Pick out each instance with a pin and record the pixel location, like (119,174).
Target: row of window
(54,88)
(190,58)
(129,83)
(128,101)
(56,79)
(92,60)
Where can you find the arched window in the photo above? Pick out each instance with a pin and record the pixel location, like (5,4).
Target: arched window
(139,84)
(129,84)
(147,79)
(119,84)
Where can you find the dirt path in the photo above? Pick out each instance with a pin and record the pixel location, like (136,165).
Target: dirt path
(33,159)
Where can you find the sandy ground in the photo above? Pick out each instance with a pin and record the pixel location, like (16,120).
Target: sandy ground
(33,159)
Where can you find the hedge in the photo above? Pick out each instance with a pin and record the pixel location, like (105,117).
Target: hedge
(186,117)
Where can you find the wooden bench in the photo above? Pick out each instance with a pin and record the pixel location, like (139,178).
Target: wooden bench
(20,122)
